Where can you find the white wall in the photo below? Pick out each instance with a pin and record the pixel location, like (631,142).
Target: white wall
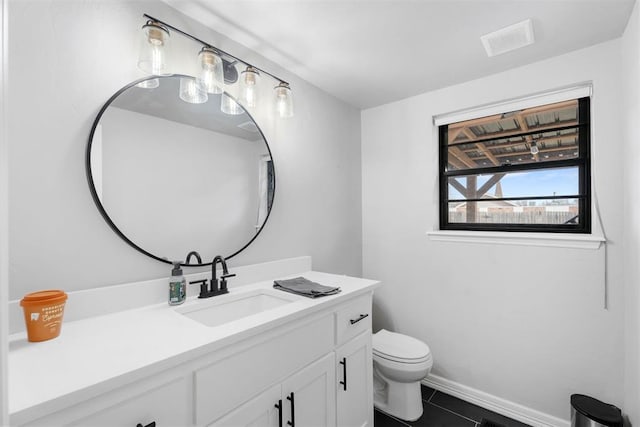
(522,323)
(67,59)
(631,196)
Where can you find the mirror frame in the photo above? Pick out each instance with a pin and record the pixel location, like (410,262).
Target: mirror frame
(104,213)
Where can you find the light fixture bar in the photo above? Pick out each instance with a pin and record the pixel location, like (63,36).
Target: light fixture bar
(211,46)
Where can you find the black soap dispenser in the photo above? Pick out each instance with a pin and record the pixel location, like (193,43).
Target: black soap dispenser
(177,285)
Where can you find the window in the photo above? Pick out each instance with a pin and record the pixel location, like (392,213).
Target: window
(525,170)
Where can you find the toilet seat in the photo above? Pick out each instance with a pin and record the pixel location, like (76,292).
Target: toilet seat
(400,359)
(399,348)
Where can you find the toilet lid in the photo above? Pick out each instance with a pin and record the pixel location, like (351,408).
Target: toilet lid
(392,345)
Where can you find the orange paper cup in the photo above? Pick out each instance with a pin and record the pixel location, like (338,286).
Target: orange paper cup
(43,312)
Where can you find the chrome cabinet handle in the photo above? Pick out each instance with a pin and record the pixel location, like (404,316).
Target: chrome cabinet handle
(343,362)
(362,316)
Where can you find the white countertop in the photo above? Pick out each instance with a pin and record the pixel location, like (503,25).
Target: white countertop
(98,352)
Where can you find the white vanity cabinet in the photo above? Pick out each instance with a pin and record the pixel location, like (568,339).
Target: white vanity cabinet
(287,373)
(165,406)
(354,373)
(354,393)
(264,410)
(227,382)
(165,402)
(307,398)
(312,396)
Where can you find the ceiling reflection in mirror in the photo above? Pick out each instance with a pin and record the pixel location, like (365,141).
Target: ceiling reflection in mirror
(171,176)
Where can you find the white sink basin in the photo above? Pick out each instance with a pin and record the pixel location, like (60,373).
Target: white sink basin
(223,309)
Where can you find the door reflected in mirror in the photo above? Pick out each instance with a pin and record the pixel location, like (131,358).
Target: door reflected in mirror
(171,176)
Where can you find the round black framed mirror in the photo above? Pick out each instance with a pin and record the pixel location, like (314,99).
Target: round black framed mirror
(171,173)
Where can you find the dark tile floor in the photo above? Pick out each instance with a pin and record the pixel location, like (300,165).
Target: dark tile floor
(442,410)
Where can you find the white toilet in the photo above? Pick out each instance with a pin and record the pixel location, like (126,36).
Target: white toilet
(399,363)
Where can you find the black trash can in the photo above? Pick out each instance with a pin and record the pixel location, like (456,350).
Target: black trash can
(589,412)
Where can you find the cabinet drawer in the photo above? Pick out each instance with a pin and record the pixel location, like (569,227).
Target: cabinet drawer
(226,384)
(165,403)
(353,318)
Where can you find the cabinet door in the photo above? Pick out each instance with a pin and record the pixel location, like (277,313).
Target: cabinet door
(309,396)
(235,379)
(355,382)
(261,411)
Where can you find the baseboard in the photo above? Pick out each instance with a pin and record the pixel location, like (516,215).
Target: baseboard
(494,403)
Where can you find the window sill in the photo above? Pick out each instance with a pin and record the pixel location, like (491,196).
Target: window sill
(558,240)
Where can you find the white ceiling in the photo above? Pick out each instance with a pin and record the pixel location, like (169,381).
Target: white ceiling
(371,52)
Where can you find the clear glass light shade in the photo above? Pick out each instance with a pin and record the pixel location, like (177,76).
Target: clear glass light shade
(228,105)
(211,76)
(149,84)
(284,100)
(192,92)
(153,46)
(250,78)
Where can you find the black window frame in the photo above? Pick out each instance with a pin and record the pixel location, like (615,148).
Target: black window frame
(582,161)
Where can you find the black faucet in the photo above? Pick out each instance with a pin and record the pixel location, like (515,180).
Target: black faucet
(213,289)
(223,279)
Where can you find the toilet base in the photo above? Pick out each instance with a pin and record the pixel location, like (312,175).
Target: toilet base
(401,400)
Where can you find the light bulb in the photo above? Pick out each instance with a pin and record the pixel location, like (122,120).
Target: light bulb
(534,148)
(284,101)
(250,78)
(211,76)
(191,92)
(228,105)
(154,41)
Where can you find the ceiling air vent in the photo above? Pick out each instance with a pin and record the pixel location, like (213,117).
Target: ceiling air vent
(509,38)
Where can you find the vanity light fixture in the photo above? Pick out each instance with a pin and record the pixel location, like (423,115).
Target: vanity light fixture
(192,92)
(211,70)
(284,101)
(217,68)
(152,55)
(250,78)
(228,105)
